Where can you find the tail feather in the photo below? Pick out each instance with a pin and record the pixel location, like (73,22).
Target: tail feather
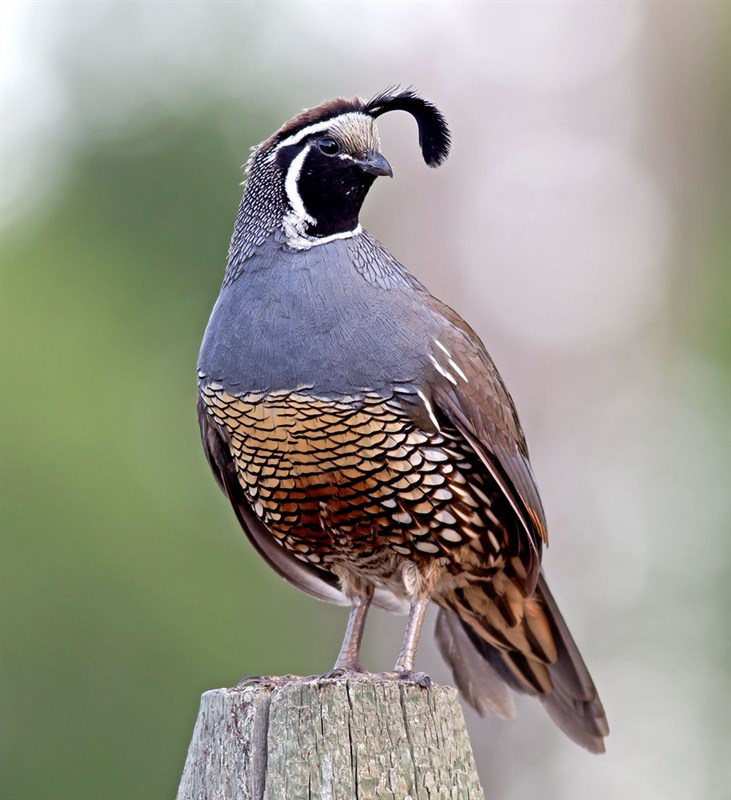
(546,663)
(479,683)
(574,704)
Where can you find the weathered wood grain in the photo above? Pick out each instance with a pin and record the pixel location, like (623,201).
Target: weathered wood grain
(314,739)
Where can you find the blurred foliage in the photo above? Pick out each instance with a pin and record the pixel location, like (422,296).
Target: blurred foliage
(127,586)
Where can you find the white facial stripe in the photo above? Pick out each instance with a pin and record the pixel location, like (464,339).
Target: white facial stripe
(317,127)
(295,138)
(290,187)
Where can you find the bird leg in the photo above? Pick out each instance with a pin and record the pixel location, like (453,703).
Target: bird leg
(405,663)
(349,657)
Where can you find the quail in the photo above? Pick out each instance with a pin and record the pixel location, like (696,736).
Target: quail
(362,433)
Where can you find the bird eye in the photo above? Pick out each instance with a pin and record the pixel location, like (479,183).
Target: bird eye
(329,146)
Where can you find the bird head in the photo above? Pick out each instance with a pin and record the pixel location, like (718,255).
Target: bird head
(327,158)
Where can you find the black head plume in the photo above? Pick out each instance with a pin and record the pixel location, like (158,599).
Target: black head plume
(434,137)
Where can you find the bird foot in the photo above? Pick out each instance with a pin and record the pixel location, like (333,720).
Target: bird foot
(406,676)
(338,674)
(273,681)
(343,673)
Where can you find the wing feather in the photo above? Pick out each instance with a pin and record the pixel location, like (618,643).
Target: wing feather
(476,403)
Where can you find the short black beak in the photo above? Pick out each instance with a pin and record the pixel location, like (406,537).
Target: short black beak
(375,164)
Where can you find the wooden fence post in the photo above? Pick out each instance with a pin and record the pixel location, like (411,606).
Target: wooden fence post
(314,739)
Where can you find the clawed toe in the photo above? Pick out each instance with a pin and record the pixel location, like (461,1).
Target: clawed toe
(419,678)
(343,673)
(406,676)
(254,680)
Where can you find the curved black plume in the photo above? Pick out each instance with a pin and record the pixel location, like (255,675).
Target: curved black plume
(433,129)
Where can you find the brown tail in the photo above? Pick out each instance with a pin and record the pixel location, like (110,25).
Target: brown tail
(488,632)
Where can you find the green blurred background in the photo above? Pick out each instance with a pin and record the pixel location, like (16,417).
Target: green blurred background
(581,226)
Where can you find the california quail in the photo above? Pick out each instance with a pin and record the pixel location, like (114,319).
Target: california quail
(362,433)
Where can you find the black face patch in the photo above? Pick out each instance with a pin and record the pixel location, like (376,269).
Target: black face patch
(332,188)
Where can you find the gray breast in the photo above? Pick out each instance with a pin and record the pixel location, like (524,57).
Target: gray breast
(336,318)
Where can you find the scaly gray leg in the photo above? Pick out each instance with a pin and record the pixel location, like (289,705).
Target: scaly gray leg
(349,657)
(405,662)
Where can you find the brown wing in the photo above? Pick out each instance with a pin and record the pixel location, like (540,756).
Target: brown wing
(510,623)
(467,391)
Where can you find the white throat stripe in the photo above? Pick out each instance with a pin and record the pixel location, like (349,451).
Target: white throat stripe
(298,241)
